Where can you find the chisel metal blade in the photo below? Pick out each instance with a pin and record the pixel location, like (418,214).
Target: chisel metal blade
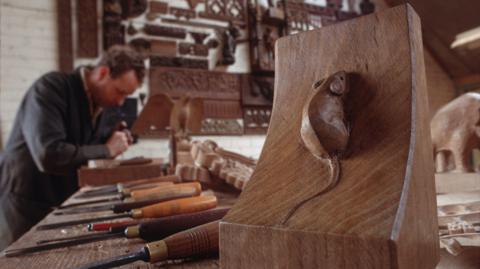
(101,235)
(80,221)
(80,210)
(106,200)
(118,261)
(27,250)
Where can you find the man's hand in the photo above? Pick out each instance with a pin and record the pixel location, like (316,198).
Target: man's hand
(117,143)
(122,126)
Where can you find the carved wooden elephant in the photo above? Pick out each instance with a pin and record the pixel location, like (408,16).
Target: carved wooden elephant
(455,132)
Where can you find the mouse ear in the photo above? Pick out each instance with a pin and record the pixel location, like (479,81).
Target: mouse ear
(317,83)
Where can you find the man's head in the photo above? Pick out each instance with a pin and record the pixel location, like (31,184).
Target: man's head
(118,74)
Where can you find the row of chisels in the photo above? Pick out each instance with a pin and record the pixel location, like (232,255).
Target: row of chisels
(159,209)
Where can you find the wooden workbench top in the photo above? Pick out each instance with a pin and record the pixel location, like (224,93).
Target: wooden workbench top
(72,257)
(75,256)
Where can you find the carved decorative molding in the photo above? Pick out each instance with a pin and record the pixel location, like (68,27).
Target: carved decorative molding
(166,31)
(161,61)
(195,83)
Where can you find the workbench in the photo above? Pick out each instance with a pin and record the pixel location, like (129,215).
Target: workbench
(75,256)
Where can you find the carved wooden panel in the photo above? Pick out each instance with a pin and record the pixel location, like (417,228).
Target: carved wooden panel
(222,109)
(166,31)
(256,119)
(195,83)
(221,127)
(162,61)
(87,30)
(225,10)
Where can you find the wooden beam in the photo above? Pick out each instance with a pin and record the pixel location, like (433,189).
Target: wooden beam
(65,43)
(87,29)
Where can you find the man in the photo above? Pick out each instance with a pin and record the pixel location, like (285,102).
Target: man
(55,132)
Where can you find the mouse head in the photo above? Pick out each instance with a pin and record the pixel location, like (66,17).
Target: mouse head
(337,84)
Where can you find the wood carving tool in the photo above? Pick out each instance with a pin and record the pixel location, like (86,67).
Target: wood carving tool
(199,241)
(153,229)
(163,209)
(128,195)
(106,226)
(113,189)
(144,199)
(148,231)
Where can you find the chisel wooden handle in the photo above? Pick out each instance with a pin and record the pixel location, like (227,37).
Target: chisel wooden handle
(201,240)
(126,192)
(154,199)
(176,207)
(147,192)
(171,178)
(160,228)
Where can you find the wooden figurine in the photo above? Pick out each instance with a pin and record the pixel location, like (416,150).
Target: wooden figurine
(345,178)
(455,133)
(229,44)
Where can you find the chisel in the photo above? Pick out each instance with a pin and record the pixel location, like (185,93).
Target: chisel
(148,231)
(163,209)
(154,229)
(136,194)
(180,191)
(106,226)
(113,189)
(198,241)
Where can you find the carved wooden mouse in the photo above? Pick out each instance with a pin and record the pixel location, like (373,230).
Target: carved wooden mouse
(325,131)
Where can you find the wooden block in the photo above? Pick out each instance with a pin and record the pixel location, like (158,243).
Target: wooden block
(163,48)
(105,176)
(158,7)
(162,61)
(457,182)
(382,211)
(87,29)
(157,30)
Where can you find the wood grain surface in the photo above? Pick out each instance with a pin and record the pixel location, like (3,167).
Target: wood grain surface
(382,213)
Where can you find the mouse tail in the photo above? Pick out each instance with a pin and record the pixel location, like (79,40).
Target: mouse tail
(335,170)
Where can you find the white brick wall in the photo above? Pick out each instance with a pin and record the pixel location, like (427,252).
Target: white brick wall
(28,49)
